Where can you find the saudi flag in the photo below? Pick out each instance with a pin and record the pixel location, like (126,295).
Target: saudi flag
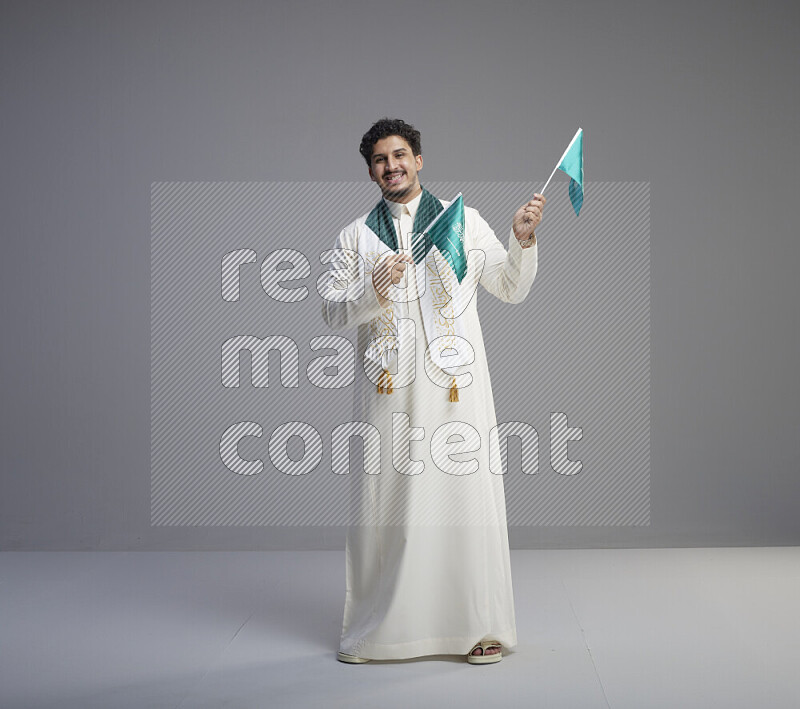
(572,164)
(446,233)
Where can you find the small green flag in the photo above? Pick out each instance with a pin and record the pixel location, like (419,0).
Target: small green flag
(446,232)
(572,164)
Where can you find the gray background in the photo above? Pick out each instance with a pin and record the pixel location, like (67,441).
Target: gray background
(101,99)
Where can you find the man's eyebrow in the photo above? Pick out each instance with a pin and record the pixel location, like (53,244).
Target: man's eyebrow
(383,155)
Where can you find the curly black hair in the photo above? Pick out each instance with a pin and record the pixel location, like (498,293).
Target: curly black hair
(383,129)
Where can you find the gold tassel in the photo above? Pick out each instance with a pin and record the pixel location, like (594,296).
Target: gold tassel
(453,391)
(388,376)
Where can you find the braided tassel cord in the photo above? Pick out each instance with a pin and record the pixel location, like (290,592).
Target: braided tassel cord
(388,377)
(453,391)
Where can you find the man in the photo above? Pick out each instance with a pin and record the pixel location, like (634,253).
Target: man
(427,558)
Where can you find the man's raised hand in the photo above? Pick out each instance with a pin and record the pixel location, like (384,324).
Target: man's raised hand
(528,217)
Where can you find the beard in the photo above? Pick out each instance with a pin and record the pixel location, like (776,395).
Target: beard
(395,193)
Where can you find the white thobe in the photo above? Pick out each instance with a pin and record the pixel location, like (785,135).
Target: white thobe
(427,560)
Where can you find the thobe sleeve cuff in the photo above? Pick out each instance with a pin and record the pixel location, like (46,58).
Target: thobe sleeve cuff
(526,256)
(523,262)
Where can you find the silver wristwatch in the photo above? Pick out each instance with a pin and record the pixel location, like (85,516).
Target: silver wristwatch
(525,244)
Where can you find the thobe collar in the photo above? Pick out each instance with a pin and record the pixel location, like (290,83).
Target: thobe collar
(397,208)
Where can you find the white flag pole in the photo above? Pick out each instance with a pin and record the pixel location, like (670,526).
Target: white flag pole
(559,160)
(541,191)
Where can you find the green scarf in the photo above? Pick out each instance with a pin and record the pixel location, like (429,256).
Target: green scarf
(380,221)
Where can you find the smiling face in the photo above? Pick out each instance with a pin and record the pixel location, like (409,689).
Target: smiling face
(394,168)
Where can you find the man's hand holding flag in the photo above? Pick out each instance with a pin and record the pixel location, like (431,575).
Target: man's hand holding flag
(528,217)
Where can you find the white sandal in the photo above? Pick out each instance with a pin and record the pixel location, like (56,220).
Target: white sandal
(483,658)
(351,659)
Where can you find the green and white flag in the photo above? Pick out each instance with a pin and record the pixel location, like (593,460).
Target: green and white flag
(572,164)
(446,233)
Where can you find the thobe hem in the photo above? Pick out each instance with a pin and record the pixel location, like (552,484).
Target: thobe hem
(428,646)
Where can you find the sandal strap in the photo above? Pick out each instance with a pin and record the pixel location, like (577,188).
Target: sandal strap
(484,645)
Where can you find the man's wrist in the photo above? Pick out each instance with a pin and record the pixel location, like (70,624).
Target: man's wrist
(527,243)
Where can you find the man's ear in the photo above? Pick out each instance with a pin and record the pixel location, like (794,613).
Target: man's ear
(371,176)
(418,158)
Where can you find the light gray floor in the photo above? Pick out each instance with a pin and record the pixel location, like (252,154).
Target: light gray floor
(598,628)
